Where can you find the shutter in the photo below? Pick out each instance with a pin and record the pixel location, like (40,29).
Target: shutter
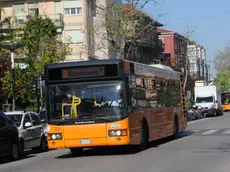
(75,35)
(72,4)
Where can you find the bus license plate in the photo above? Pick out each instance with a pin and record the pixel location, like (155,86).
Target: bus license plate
(85,141)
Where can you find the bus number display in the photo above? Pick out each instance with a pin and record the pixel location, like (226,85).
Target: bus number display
(83,72)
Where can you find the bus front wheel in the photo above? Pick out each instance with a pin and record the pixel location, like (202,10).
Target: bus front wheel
(144,142)
(76,151)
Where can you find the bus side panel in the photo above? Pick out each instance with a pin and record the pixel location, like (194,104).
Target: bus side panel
(181,118)
(169,115)
(160,121)
(226,107)
(158,124)
(135,121)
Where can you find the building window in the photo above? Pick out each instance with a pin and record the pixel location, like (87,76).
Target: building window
(75,36)
(73,11)
(192,66)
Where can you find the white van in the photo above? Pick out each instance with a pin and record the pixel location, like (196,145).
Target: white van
(209,98)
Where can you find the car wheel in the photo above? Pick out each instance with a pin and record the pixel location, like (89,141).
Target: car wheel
(14,152)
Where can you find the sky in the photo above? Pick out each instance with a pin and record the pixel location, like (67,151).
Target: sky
(209,20)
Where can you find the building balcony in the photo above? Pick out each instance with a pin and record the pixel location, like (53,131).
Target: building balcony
(146,38)
(18,22)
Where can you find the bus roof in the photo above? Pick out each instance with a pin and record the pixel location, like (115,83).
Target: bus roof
(82,63)
(155,70)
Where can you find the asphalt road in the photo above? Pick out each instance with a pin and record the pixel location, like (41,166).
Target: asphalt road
(204,147)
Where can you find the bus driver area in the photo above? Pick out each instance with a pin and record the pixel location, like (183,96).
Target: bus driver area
(89,105)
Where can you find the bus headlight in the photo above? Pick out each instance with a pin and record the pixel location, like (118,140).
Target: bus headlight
(117,133)
(55,136)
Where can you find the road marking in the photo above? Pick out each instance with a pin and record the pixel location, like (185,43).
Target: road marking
(200,120)
(226,132)
(209,132)
(195,131)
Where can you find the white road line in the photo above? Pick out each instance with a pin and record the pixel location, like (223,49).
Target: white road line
(209,132)
(226,132)
(195,131)
(199,120)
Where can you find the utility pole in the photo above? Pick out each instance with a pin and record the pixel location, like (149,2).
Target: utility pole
(12,47)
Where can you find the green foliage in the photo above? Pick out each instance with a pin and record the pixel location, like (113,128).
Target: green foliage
(223,79)
(222,59)
(42,46)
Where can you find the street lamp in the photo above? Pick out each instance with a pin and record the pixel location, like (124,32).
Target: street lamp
(12,47)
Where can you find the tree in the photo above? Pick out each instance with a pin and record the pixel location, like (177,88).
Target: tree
(223,79)
(222,59)
(4,66)
(42,46)
(114,25)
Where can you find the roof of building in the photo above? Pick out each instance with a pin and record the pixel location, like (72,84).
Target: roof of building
(131,8)
(164,30)
(160,30)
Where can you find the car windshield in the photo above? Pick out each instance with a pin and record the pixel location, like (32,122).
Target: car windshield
(17,118)
(204,99)
(89,101)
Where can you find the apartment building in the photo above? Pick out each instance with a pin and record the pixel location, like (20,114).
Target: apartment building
(175,48)
(142,43)
(74,19)
(197,61)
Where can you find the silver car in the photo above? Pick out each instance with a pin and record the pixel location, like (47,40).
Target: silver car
(31,132)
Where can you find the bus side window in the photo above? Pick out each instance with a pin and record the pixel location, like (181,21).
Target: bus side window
(128,86)
(141,92)
(131,92)
(178,94)
(151,93)
(160,95)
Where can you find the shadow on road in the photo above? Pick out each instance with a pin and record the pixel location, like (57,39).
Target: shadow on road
(7,160)
(38,151)
(122,150)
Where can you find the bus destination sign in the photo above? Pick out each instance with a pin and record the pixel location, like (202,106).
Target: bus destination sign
(80,72)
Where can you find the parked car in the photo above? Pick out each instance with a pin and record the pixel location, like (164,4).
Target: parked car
(9,138)
(43,118)
(31,132)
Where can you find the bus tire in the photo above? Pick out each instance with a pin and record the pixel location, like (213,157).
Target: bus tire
(144,142)
(76,151)
(176,127)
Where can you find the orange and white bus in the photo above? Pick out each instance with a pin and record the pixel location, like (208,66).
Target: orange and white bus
(225,98)
(112,103)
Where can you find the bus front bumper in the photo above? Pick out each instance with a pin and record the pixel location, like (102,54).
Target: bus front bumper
(93,142)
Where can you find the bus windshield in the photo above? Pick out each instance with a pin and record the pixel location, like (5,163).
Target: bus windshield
(225,98)
(104,100)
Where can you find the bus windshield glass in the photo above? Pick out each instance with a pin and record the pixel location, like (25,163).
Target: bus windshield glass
(87,101)
(225,98)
